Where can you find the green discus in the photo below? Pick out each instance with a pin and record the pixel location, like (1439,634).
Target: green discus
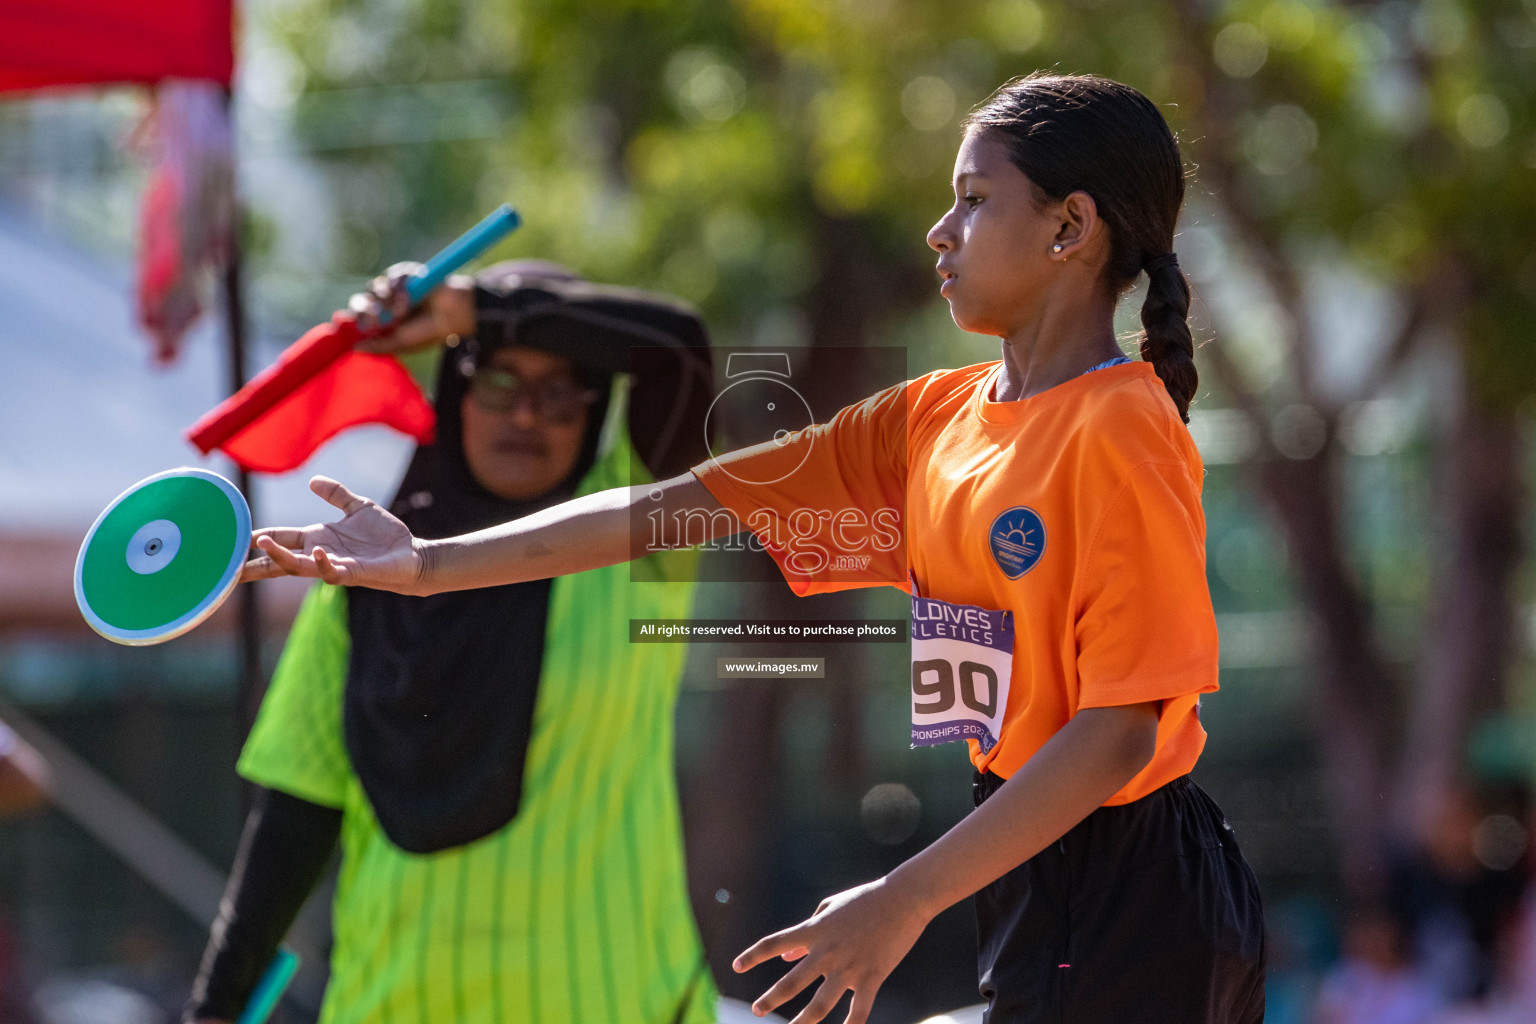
(162,556)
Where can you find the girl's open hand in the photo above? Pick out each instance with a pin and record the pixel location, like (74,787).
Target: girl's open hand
(367,547)
(853,941)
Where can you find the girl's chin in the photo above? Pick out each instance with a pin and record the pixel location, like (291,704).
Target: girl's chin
(971,324)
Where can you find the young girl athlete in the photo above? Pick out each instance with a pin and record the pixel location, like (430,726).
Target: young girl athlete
(1055,551)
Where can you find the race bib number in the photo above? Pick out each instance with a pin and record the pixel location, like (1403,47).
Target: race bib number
(962,661)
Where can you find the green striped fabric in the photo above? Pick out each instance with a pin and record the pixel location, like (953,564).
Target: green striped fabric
(576,911)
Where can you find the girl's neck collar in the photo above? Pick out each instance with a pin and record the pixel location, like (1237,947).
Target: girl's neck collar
(1028,371)
(989,409)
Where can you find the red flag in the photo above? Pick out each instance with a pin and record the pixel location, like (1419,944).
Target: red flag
(317,388)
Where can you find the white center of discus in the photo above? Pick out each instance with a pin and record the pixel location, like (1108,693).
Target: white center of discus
(153,546)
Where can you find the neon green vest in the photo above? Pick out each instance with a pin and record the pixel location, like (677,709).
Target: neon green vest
(577,910)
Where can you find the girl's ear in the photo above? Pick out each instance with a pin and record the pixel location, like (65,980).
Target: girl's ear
(1078,225)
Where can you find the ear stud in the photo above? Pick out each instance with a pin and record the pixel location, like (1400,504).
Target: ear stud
(1056,248)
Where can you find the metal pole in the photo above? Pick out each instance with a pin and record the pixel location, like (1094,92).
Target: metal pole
(251,680)
(251,683)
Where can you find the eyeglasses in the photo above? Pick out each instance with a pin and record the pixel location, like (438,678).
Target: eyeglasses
(556,399)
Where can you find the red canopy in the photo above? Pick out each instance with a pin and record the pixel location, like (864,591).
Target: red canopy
(86,42)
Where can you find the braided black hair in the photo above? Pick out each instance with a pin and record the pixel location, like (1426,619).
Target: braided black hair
(1071,133)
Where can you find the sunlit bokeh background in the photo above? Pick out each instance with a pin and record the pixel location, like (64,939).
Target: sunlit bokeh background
(1360,232)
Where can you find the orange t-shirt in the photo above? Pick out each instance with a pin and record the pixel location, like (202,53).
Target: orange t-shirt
(1077,510)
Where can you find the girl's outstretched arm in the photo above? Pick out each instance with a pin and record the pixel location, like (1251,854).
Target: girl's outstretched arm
(856,938)
(368,547)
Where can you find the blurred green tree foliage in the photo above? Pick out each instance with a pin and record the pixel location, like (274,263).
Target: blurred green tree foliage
(1393,144)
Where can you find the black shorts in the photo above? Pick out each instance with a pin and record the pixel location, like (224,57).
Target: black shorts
(1144,913)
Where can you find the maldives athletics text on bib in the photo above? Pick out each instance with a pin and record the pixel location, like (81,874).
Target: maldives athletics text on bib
(962,661)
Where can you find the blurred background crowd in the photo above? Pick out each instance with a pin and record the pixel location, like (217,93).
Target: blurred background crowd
(1360,233)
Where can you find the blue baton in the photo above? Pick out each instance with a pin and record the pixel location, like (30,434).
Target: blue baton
(274,981)
(501,222)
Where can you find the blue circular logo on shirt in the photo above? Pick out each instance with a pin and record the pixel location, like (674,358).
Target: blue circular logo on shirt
(1018,541)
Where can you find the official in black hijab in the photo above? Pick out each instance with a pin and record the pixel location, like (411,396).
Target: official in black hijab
(441,690)
(439,693)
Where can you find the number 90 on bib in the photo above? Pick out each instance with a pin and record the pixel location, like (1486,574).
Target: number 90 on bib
(962,661)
